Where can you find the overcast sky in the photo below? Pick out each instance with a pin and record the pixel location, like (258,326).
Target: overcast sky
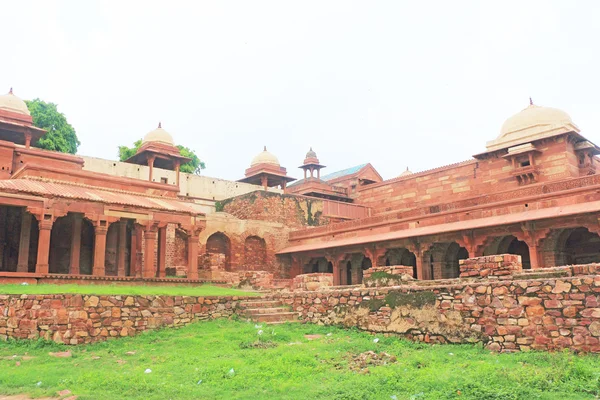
(395,83)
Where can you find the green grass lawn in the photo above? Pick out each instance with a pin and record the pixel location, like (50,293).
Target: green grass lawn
(203,290)
(195,363)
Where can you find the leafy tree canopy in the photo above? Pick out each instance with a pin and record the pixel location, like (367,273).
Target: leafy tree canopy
(61,135)
(192,167)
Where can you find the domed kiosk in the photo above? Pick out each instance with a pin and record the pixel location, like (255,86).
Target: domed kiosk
(526,136)
(532,123)
(266,171)
(16,124)
(311,164)
(158,150)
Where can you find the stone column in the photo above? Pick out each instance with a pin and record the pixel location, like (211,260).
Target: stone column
(23,262)
(177,166)
(121,247)
(45,228)
(192,244)
(75,245)
(264,181)
(27,135)
(150,235)
(162,252)
(419,262)
(534,257)
(151,167)
(100,231)
(336,274)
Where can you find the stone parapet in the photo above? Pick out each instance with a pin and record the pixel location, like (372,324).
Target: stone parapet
(497,266)
(314,281)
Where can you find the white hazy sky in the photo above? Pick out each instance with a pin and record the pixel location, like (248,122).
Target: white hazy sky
(395,83)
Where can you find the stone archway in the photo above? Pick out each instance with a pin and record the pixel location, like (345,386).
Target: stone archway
(401,256)
(509,245)
(219,244)
(255,253)
(445,259)
(315,265)
(572,246)
(61,237)
(17,228)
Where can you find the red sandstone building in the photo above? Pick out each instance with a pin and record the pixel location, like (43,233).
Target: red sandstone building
(533,192)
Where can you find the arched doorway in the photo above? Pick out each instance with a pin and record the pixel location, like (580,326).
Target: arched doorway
(364,265)
(454,254)
(61,240)
(316,265)
(17,228)
(401,256)
(255,253)
(509,245)
(574,246)
(219,244)
(60,245)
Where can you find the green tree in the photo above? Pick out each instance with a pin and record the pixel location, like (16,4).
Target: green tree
(61,135)
(192,167)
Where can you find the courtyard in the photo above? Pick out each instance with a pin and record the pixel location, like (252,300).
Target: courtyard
(229,359)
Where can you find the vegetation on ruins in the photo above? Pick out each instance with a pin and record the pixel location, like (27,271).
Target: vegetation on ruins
(61,135)
(192,167)
(203,290)
(225,359)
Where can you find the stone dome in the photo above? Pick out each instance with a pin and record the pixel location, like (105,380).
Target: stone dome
(159,135)
(12,103)
(406,173)
(311,154)
(265,157)
(533,123)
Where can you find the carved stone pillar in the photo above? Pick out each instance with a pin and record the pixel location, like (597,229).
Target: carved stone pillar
(43,253)
(100,231)
(192,245)
(150,236)
(121,247)
(75,245)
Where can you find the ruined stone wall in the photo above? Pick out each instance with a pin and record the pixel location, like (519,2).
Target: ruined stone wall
(251,244)
(290,210)
(551,313)
(76,319)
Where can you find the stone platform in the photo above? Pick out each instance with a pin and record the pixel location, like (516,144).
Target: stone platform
(33,279)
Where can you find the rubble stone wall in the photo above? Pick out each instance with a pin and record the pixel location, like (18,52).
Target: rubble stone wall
(76,319)
(561,310)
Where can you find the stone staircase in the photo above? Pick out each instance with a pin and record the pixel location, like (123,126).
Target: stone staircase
(270,312)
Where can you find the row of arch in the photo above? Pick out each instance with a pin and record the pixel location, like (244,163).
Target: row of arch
(254,256)
(566,246)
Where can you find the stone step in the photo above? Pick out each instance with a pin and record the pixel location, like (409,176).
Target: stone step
(265,310)
(294,321)
(276,317)
(260,304)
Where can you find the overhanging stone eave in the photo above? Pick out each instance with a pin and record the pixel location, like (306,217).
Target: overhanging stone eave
(533,215)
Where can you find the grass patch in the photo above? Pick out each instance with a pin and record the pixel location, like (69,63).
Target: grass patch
(203,290)
(206,361)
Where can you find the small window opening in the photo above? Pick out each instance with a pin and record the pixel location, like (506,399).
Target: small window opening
(164,180)
(525,163)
